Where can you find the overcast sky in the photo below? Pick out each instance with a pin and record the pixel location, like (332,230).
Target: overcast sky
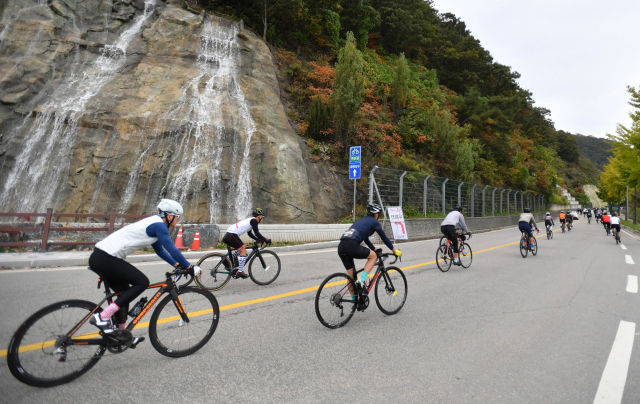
(575,56)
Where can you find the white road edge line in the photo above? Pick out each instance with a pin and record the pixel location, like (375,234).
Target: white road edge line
(623,246)
(627,233)
(614,376)
(632,284)
(628,259)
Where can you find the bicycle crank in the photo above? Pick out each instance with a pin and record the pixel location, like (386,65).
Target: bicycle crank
(363,302)
(119,341)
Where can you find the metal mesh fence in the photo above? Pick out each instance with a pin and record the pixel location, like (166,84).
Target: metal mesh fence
(427,195)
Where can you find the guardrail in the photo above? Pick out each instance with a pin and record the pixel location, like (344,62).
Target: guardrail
(46,228)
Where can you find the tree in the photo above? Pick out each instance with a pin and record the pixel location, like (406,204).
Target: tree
(400,85)
(358,17)
(318,118)
(348,89)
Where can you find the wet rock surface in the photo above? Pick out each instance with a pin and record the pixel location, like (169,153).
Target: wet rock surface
(113,104)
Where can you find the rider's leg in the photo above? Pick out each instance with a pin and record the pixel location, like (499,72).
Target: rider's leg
(242,258)
(371,260)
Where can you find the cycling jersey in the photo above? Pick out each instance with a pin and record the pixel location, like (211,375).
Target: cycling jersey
(249,225)
(149,231)
(454,218)
(614,220)
(606,218)
(364,228)
(528,218)
(561,216)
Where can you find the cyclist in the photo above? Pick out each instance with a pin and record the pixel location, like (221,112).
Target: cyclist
(615,225)
(589,215)
(350,248)
(232,238)
(563,219)
(548,222)
(525,222)
(570,220)
(108,260)
(606,221)
(448,228)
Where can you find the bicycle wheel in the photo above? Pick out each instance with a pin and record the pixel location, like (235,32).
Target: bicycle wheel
(534,250)
(264,268)
(38,354)
(443,260)
(171,335)
(524,249)
(466,255)
(216,271)
(391,290)
(334,303)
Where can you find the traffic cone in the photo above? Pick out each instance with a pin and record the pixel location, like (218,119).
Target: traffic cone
(178,243)
(196,242)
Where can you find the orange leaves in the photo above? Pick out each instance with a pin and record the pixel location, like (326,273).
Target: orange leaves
(302,128)
(322,74)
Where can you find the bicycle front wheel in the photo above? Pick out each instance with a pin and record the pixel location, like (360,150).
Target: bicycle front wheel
(216,271)
(443,260)
(264,267)
(391,290)
(41,353)
(171,335)
(335,305)
(466,255)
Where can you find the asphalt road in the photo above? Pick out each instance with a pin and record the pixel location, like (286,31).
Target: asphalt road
(554,328)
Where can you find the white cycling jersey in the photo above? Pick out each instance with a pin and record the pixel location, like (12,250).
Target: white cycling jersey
(130,238)
(615,220)
(241,227)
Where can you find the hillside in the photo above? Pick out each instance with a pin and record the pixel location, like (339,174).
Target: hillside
(596,149)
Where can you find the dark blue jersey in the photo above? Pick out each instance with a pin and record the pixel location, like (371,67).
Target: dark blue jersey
(364,228)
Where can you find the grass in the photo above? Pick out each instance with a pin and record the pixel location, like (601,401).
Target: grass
(630,224)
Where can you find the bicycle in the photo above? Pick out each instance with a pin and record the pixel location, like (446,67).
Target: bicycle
(58,344)
(549,233)
(334,296)
(217,267)
(525,245)
(563,227)
(569,226)
(616,234)
(444,254)
(589,219)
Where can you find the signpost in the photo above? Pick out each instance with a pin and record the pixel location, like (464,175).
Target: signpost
(396,217)
(354,171)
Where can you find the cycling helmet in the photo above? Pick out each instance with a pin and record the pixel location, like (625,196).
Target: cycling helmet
(170,207)
(562,211)
(527,210)
(257,212)
(373,209)
(458,208)
(547,213)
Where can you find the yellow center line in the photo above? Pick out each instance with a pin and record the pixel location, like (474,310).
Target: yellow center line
(46,344)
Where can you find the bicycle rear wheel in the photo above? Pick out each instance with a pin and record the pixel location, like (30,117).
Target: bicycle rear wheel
(264,268)
(216,271)
(391,290)
(443,260)
(534,250)
(171,335)
(41,355)
(524,249)
(334,303)
(466,255)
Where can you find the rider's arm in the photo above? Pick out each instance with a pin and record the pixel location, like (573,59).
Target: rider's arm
(369,244)
(462,223)
(533,221)
(383,236)
(254,229)
(160,231)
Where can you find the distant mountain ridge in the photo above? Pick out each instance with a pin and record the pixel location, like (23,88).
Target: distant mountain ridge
(596,149)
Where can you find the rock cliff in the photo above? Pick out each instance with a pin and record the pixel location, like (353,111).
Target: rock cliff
(113,104)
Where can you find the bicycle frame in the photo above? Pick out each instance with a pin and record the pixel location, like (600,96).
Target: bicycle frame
(255,249)
(167,286)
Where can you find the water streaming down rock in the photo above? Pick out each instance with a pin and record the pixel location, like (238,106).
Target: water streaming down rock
(211,113)
(33,184)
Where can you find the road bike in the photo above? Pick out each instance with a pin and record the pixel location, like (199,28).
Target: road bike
(217,268)
(549,233)
(569,226)
(525,244)
(563,227)
(58,344)
(616,234)
(335,303)
(444,254)
(589,219)
(607,228)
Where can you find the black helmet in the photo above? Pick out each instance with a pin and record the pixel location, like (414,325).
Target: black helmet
(527,210)
(458,208)
(257,212)
(373,209)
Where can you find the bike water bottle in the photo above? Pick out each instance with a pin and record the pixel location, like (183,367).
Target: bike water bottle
(137,308)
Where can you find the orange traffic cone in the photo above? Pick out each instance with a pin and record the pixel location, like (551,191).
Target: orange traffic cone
(178,243)
(196,242)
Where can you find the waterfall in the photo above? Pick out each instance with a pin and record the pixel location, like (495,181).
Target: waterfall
(210,113)
(36,179)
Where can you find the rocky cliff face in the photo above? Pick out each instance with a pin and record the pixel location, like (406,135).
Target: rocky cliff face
(113,104)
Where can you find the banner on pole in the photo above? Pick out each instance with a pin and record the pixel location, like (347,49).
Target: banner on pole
(396,218)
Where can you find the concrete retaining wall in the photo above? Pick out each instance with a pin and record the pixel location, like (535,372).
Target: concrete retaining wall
(299,233)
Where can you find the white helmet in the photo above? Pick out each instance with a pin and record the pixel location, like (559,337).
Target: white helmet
(170,207)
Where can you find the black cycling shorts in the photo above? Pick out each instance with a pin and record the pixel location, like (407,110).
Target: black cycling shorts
(615,226)
(350,249)
(452,235)
(562,220)
(232,240)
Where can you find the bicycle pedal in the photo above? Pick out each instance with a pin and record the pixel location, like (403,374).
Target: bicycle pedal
(136,341)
